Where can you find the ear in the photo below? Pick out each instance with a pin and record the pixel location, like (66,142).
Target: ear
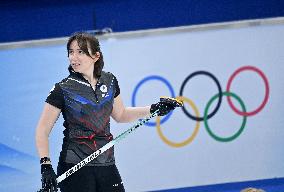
(97,55)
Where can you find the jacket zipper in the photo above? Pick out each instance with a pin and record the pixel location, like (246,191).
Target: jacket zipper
(94,91)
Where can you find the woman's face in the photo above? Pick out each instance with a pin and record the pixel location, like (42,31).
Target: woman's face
(80,61)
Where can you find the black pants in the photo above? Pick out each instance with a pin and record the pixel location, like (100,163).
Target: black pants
(91,179)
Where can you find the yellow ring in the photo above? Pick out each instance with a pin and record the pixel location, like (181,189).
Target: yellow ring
(190,139)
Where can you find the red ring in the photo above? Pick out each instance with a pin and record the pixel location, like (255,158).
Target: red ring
(266,90)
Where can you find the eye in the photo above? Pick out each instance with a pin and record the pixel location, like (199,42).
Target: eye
(70,52)
(81,52)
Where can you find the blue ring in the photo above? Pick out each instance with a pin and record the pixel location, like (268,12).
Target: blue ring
(153,77)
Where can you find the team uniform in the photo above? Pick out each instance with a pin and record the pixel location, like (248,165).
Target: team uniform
(86,111)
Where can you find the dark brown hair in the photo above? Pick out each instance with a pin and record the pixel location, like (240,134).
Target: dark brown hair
(85,41)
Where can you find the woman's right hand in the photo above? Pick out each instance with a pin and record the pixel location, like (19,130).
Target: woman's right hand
(48,178)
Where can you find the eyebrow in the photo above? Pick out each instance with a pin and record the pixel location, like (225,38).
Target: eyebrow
(74,49)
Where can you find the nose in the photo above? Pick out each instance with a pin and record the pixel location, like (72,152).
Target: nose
(73,57)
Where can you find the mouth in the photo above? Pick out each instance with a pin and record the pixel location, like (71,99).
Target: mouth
(75,64)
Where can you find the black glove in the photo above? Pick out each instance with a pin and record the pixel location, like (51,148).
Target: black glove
(165,105)
(48,178)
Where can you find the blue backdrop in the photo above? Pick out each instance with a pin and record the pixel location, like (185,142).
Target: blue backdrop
(32,19)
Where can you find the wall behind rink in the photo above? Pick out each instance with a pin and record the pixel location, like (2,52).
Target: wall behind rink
(185,152)
(33,19)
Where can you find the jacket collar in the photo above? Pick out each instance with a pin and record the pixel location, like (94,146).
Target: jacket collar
(77,75)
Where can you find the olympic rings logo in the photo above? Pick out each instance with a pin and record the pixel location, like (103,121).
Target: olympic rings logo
(196,117)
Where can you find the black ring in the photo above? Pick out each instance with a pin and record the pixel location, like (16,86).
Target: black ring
(219,89)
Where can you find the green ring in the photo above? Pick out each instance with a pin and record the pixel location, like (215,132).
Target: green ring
(216,137)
